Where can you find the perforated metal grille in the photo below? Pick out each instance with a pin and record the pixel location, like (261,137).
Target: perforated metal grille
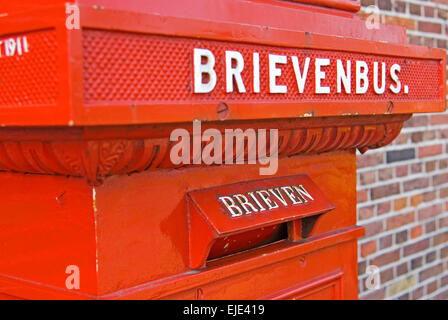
(30,79)
(127,67)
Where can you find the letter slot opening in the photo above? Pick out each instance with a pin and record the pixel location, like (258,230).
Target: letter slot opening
(233,218)
(248,240)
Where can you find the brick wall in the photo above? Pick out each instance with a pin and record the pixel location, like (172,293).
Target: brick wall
(403,188)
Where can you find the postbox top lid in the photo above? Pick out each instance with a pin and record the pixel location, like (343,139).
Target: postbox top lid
(140,62)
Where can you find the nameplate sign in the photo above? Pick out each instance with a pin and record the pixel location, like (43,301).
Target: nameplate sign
(254,204)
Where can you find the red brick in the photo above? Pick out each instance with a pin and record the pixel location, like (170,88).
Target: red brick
(369,160)
(440,179)
(383,207)
(414,9)
(416,121)
(367,177)
(429,196)
(368,248)
(440,238)
(442,14)
(431,257)
(439,119)
(386,258)
(441,296)
(405,296)
(416,200)
(431,287)
(416,247)
(386,174)
(416,168)
(387,275)
(429,151)
(401,236)
(416,263)
(443,133)
(430,166)
(402,269)
(402,138)
(385,242)
(362,268)
(414,184)
(401,171)
(429,11)
(444,252)
(443,193)
(428,42)
(400,6)
(442,44)
(385,191)
(362,196)
(443,222)
(400,204)
(417,293)
(430,226)
(416,232)
(366,3)
(429,135)
(423,136)
(414,40)
(373,228)
(443,163)
(385,4)
(430,272)
(400,220)
(430,211)
(374,295)
(365,212)
(399,21)
(444,281)
(429,27)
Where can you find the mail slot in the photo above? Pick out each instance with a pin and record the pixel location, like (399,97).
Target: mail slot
(194,149)
(236,217)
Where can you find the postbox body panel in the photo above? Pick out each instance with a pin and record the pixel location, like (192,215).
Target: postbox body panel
(44,229)
(171,206)
(136,228)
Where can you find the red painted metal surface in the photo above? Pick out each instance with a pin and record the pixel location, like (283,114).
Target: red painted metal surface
(139,234)
(160,72)
(328,287)
(240,216)
(32,77)
(98,152)
(86,176)
(285,204)
(127,85)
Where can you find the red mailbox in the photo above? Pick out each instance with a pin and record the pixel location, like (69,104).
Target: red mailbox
(194,149)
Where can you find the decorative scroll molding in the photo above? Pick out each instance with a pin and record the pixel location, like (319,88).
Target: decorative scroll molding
(97,158)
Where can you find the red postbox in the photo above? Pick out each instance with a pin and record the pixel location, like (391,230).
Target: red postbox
(194,149)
